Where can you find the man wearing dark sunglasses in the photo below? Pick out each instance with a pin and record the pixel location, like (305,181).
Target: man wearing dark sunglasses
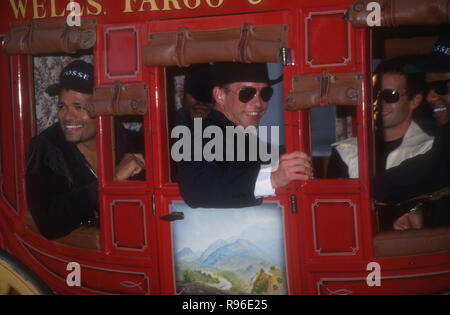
(437,77)
(241,93)
(438,96)
(398,137)
(426,174)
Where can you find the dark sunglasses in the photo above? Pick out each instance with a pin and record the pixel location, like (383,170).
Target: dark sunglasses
(440,87)
(247,93)
(389,96)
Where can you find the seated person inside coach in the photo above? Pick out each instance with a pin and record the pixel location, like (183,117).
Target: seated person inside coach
(197,99)
(61,163)
(240,93)
(421,184)
(398,136)
(398,139)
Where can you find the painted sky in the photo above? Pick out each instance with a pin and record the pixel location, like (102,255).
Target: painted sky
(202,227)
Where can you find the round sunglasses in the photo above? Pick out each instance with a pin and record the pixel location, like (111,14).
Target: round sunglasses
(389,96)
(247,93)
(440,87)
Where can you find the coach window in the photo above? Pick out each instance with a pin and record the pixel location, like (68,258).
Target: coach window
(334,143)
(46,70)
(128,138)
(271,127)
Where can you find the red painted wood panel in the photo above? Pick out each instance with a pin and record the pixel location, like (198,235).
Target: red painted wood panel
(6,137)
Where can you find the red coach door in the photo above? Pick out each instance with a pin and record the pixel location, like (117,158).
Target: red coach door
(330,88)
(244,251)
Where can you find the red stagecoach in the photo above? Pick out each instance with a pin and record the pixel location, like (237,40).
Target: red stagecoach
(326,230)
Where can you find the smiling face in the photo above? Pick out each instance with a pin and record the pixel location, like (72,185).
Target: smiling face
(397,116)
(440,104)
(77,126)
(399,112)
(396,113)
(241,114)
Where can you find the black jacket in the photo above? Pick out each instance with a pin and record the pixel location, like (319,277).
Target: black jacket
(62,189)
(218,184)
(422,174)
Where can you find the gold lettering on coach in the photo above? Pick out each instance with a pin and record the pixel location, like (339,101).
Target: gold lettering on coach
(98,7)
(57,8)
(51,8)
(254,2)
(131,6)
(39,7)
(153,6)
(189,6)
(53,12)
(167,6)
(219,3)
(17,7)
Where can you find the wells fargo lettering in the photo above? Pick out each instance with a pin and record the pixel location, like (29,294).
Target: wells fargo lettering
(167,5)
(51,8)
(57,8)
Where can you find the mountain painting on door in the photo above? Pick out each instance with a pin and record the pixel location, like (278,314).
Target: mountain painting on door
(230,251)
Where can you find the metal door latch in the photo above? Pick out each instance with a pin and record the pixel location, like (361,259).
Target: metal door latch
(173,216)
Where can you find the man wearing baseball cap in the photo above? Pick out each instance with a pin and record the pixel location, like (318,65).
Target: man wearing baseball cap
(61,172)
(437,68)
(240,93)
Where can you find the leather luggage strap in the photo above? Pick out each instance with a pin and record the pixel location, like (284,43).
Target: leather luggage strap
(66,37)
(325,81)
(116,98)
(28,37)
(441,193)
(243,43)
(183,35)
(389,12)
(179,46)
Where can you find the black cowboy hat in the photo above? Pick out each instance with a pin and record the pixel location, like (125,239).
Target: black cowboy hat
(230,72)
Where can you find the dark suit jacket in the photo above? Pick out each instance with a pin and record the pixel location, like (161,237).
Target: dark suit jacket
(218,184)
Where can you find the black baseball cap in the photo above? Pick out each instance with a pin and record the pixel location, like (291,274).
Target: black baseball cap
(231,72)
(437,61)
(77,75)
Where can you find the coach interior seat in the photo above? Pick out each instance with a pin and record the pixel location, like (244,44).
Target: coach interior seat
(83,237)
(411,242)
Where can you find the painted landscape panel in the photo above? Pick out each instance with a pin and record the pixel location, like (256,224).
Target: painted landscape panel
(230,251)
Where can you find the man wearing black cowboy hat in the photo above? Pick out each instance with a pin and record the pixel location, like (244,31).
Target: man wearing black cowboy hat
(61,170)
(241,93)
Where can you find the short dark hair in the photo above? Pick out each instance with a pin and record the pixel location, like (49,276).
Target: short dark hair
(414,81)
